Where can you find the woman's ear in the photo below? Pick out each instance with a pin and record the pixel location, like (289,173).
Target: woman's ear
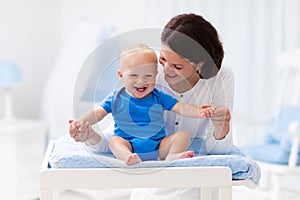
(199,66)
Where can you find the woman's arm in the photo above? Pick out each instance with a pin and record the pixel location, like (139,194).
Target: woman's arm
(219,133)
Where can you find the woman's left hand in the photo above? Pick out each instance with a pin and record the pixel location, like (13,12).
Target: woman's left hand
(221,121)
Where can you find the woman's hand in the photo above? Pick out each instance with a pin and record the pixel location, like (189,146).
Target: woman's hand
(221,121)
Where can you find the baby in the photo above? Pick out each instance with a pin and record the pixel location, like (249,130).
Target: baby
(137,110)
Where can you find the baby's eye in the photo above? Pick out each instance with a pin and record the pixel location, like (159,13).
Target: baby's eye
(133,75)
(148,75)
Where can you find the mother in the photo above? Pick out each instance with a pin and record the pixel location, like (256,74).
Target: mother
(191,57)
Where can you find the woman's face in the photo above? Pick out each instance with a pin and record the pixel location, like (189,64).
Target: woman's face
(180,74)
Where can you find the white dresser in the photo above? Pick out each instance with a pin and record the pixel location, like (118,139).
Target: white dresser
(22,146)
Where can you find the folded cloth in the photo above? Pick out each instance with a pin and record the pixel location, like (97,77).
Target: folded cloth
(69,154)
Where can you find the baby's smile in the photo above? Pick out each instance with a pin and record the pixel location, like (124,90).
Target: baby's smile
(140,88)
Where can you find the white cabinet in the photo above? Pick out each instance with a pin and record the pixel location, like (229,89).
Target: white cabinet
(22,146)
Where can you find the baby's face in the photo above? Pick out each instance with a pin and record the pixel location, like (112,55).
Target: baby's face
(139,75)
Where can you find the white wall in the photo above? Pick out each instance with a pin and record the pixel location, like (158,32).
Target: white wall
(33,33)
(30,37)
(126,15)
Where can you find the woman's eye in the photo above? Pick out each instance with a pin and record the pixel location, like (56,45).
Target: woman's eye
(163,61)
(177,67)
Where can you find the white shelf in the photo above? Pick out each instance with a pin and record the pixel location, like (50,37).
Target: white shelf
(22,145)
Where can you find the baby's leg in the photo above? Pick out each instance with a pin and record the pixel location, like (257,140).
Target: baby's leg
(122,150)
(132,159)
(175,146)
(176,156)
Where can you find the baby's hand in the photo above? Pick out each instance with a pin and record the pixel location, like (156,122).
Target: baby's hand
(82,132)
(207,110)
(75,129)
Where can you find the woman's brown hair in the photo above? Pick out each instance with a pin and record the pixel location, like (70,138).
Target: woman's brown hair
(195,39)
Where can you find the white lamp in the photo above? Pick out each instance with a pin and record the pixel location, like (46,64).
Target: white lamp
(9,77)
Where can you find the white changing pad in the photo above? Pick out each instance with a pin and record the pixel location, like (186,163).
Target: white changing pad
(69,154)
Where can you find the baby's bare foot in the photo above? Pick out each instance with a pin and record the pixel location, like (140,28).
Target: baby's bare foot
(133,159)
(176,156)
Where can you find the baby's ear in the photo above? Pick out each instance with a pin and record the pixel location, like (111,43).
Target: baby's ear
(120,74)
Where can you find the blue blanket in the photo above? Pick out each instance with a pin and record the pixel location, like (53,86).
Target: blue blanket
(69,154)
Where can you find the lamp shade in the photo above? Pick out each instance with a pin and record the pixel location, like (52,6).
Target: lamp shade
(9,75)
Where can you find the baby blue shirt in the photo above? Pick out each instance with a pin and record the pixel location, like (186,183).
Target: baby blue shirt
(140,120)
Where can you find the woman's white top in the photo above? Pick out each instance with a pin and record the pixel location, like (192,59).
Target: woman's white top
(218,91)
